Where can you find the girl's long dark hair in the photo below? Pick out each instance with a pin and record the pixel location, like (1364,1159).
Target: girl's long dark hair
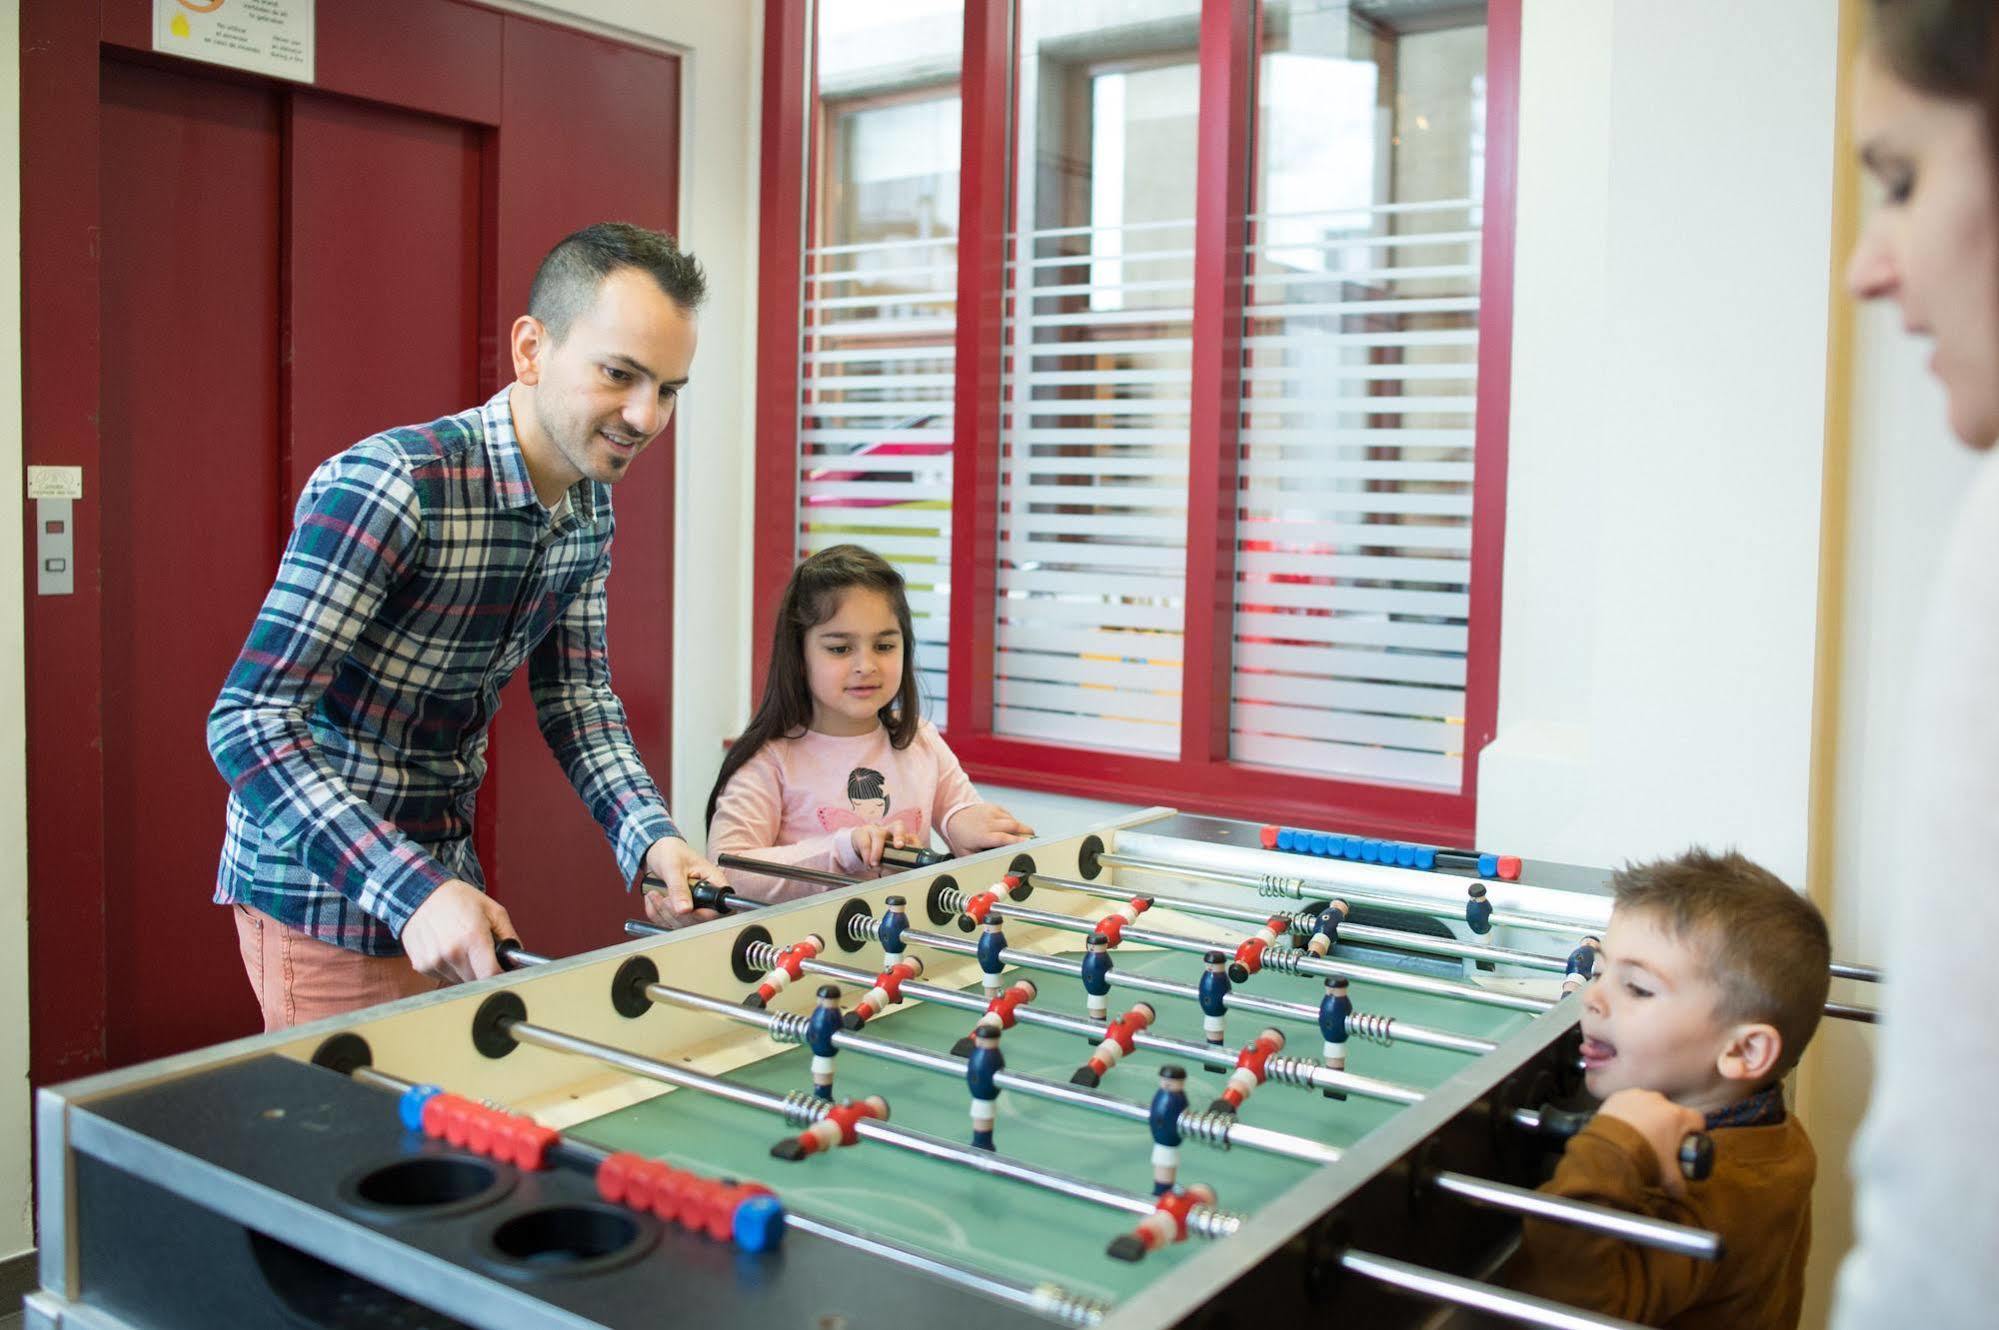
(811,598)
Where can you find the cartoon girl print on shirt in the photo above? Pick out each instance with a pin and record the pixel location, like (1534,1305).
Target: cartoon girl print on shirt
(868,805)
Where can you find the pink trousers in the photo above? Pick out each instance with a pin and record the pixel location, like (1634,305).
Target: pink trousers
(299,979)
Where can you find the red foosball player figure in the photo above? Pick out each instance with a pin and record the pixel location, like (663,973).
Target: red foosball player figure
(790,964)
(886,992)
(1166,1224)
(838,1127)
(999,1013)
(1118,1039)
(1248,1073)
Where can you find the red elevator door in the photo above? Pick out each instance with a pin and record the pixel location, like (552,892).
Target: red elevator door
(282,271)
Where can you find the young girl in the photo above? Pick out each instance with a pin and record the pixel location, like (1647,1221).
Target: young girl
(838,763)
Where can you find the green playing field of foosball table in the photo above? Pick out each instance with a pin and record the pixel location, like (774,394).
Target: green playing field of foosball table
(1012,1229)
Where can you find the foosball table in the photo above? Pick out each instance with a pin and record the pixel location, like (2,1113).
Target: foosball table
(1176,1070)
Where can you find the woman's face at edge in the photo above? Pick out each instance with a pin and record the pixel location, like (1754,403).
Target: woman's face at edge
(1932,243)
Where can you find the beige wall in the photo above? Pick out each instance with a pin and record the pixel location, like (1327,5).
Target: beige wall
(16,1232)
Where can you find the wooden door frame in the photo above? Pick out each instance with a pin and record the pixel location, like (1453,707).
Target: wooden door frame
(62,44)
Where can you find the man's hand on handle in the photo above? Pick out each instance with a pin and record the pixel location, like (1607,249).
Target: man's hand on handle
(668,901)
(452,934)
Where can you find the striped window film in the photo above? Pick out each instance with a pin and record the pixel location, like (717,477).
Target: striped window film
(1355,471)
(1092,493)
(877,356)
(875,426)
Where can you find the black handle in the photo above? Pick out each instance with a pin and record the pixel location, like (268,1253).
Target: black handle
(707,895)
(1696,1147)
(910,856)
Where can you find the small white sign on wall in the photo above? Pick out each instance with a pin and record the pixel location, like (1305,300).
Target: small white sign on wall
(55,482)
(271,37)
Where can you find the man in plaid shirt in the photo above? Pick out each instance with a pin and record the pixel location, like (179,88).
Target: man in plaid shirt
(426,565)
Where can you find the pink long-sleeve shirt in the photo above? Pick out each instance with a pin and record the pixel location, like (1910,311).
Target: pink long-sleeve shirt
(790,804)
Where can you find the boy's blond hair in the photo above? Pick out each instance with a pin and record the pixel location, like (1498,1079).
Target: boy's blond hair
(1764,946)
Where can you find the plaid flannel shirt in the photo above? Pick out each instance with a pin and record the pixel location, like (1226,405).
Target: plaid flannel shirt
(422,571)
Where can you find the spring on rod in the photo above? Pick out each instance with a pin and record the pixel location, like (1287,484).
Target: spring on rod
(761,955)
(1207,1222)
(1285,960)
(1371,1026)
(1210,1129)
(802,1108)
(1291,1071)
(860,928)
(786,1028)
(1067,1308)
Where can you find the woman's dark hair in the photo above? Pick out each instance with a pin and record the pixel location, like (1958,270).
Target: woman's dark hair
(1944,48)
(811,598)
(1939,47)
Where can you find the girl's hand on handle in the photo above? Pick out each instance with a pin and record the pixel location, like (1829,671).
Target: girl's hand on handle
(984,826)
(869,842)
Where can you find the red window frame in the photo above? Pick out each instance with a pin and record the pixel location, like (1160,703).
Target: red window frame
(1202,778)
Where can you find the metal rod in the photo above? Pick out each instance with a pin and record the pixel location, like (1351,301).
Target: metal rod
(1377,1029)
(1204,1221)
(516,957)
(1311,1073)
(1223,1129)
(1295,962)
(1211,1055)
(1846,1011)
(651,1069)
(1297,891)
(1470,1293)
(1680,1239)
(1394,937)
(1049,1299)
(794,871)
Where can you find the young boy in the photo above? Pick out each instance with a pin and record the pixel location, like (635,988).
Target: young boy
(1711,982)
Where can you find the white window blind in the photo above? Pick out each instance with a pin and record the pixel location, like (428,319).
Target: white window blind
(877,352)
(1092,499)
(1359,401)
(875,422)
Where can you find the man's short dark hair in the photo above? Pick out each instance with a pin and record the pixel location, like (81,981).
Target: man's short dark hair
(1765,946)
(567,281)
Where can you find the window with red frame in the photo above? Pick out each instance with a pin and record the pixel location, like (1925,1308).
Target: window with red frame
(1205,394)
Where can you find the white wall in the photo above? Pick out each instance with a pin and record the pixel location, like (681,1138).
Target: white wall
(16,1228)
(722,100)
(1667,435)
